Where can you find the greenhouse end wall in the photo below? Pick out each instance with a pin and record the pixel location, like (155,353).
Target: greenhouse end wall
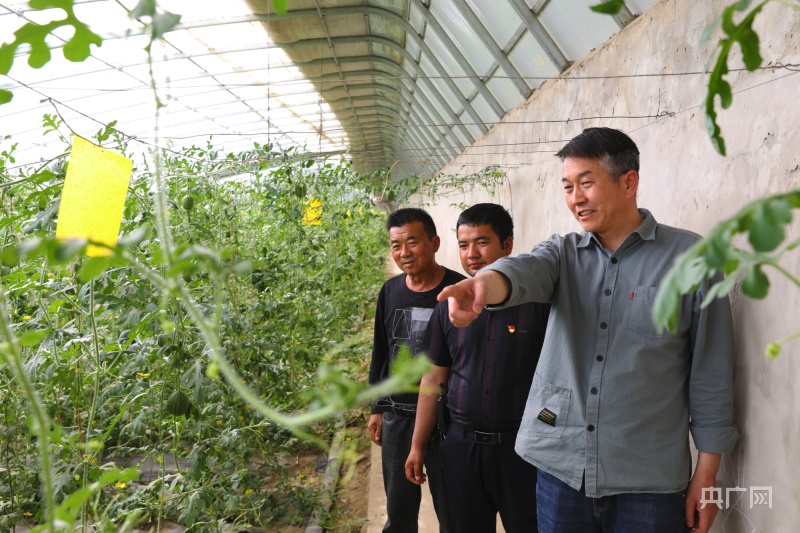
(685,183)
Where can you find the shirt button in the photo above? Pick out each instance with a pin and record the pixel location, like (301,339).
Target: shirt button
(490,364)
(599,357)
(603,325)
(590,427)
(607,292)
(614,260)
(594,390)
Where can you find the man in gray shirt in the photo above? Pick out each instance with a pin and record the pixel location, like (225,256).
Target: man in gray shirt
(613,400)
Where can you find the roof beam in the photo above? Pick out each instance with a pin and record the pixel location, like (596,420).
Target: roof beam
(494,49)
(540,34)
(380,12)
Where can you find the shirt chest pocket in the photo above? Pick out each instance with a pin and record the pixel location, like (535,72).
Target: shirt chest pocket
(548,405)
(640,313)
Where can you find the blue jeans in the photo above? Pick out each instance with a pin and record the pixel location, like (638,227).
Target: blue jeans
(562,509)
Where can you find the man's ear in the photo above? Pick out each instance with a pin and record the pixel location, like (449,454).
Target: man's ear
(436,242)
(508,245)
(630,180)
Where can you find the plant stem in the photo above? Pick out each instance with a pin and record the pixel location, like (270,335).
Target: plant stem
(10,351)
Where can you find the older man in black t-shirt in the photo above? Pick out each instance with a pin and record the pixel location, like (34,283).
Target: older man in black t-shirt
(405,305)
(488,368)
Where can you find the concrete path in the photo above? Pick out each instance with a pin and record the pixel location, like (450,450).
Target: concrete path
(377,502)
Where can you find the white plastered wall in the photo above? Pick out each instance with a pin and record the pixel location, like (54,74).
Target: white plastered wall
(685,183)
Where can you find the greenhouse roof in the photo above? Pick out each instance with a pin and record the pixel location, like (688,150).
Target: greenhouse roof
(409,83)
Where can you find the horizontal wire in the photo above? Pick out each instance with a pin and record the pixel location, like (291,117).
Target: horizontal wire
(175,84)
(361,155)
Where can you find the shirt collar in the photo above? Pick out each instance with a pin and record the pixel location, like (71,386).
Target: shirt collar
(646,230)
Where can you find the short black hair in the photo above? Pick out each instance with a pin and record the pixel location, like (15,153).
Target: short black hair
(407,215)
(616,151)
(493,214)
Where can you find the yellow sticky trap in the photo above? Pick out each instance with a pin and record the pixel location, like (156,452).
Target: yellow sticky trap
(313,213)
(94,195)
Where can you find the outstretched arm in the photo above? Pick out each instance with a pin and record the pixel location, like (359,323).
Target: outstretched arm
(467,298)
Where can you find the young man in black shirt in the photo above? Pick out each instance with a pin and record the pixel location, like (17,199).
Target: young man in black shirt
(488,368)
(405,305)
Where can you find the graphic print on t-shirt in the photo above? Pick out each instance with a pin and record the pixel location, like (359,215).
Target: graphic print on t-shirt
(409,326)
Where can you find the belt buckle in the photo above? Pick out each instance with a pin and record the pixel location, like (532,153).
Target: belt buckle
(482,437)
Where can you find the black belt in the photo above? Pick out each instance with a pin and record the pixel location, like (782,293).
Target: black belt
(405,410)
(485,437)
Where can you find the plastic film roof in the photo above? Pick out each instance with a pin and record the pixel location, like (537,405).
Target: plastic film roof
(408,83)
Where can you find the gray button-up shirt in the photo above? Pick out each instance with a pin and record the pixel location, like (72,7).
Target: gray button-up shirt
(612,397)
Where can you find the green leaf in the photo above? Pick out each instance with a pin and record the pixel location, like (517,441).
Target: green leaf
(35,35)
(78,48)
(280,6)
(748,41)
(33,337)
(93,267)
(145,8)
(725,93)
(5,96)
(612,7)
(717,250)
(69,510)
(66,251)
(685,276)
(41,5)
(755,283)
(134,238)
(766,225)
(719,290)
(6,57)
(751,54)
(163,23)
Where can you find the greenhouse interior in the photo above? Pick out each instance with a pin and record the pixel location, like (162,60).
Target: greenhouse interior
(194,214)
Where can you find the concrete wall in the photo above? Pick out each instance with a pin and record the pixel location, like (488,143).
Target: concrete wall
(685,183)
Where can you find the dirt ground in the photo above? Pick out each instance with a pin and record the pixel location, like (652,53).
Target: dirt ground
(349,511)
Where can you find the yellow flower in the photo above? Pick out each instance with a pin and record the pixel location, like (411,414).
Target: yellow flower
(142,374)
(120,485)
(49,274)
(160,459)
(297,342)
(219,422)
(301,476)
(26,318)
(26,513)
(249,491)
(347,438)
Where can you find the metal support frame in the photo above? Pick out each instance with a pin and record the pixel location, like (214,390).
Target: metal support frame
(540,34)
(453,139)
(624,16)
(493,47)
(380,12)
